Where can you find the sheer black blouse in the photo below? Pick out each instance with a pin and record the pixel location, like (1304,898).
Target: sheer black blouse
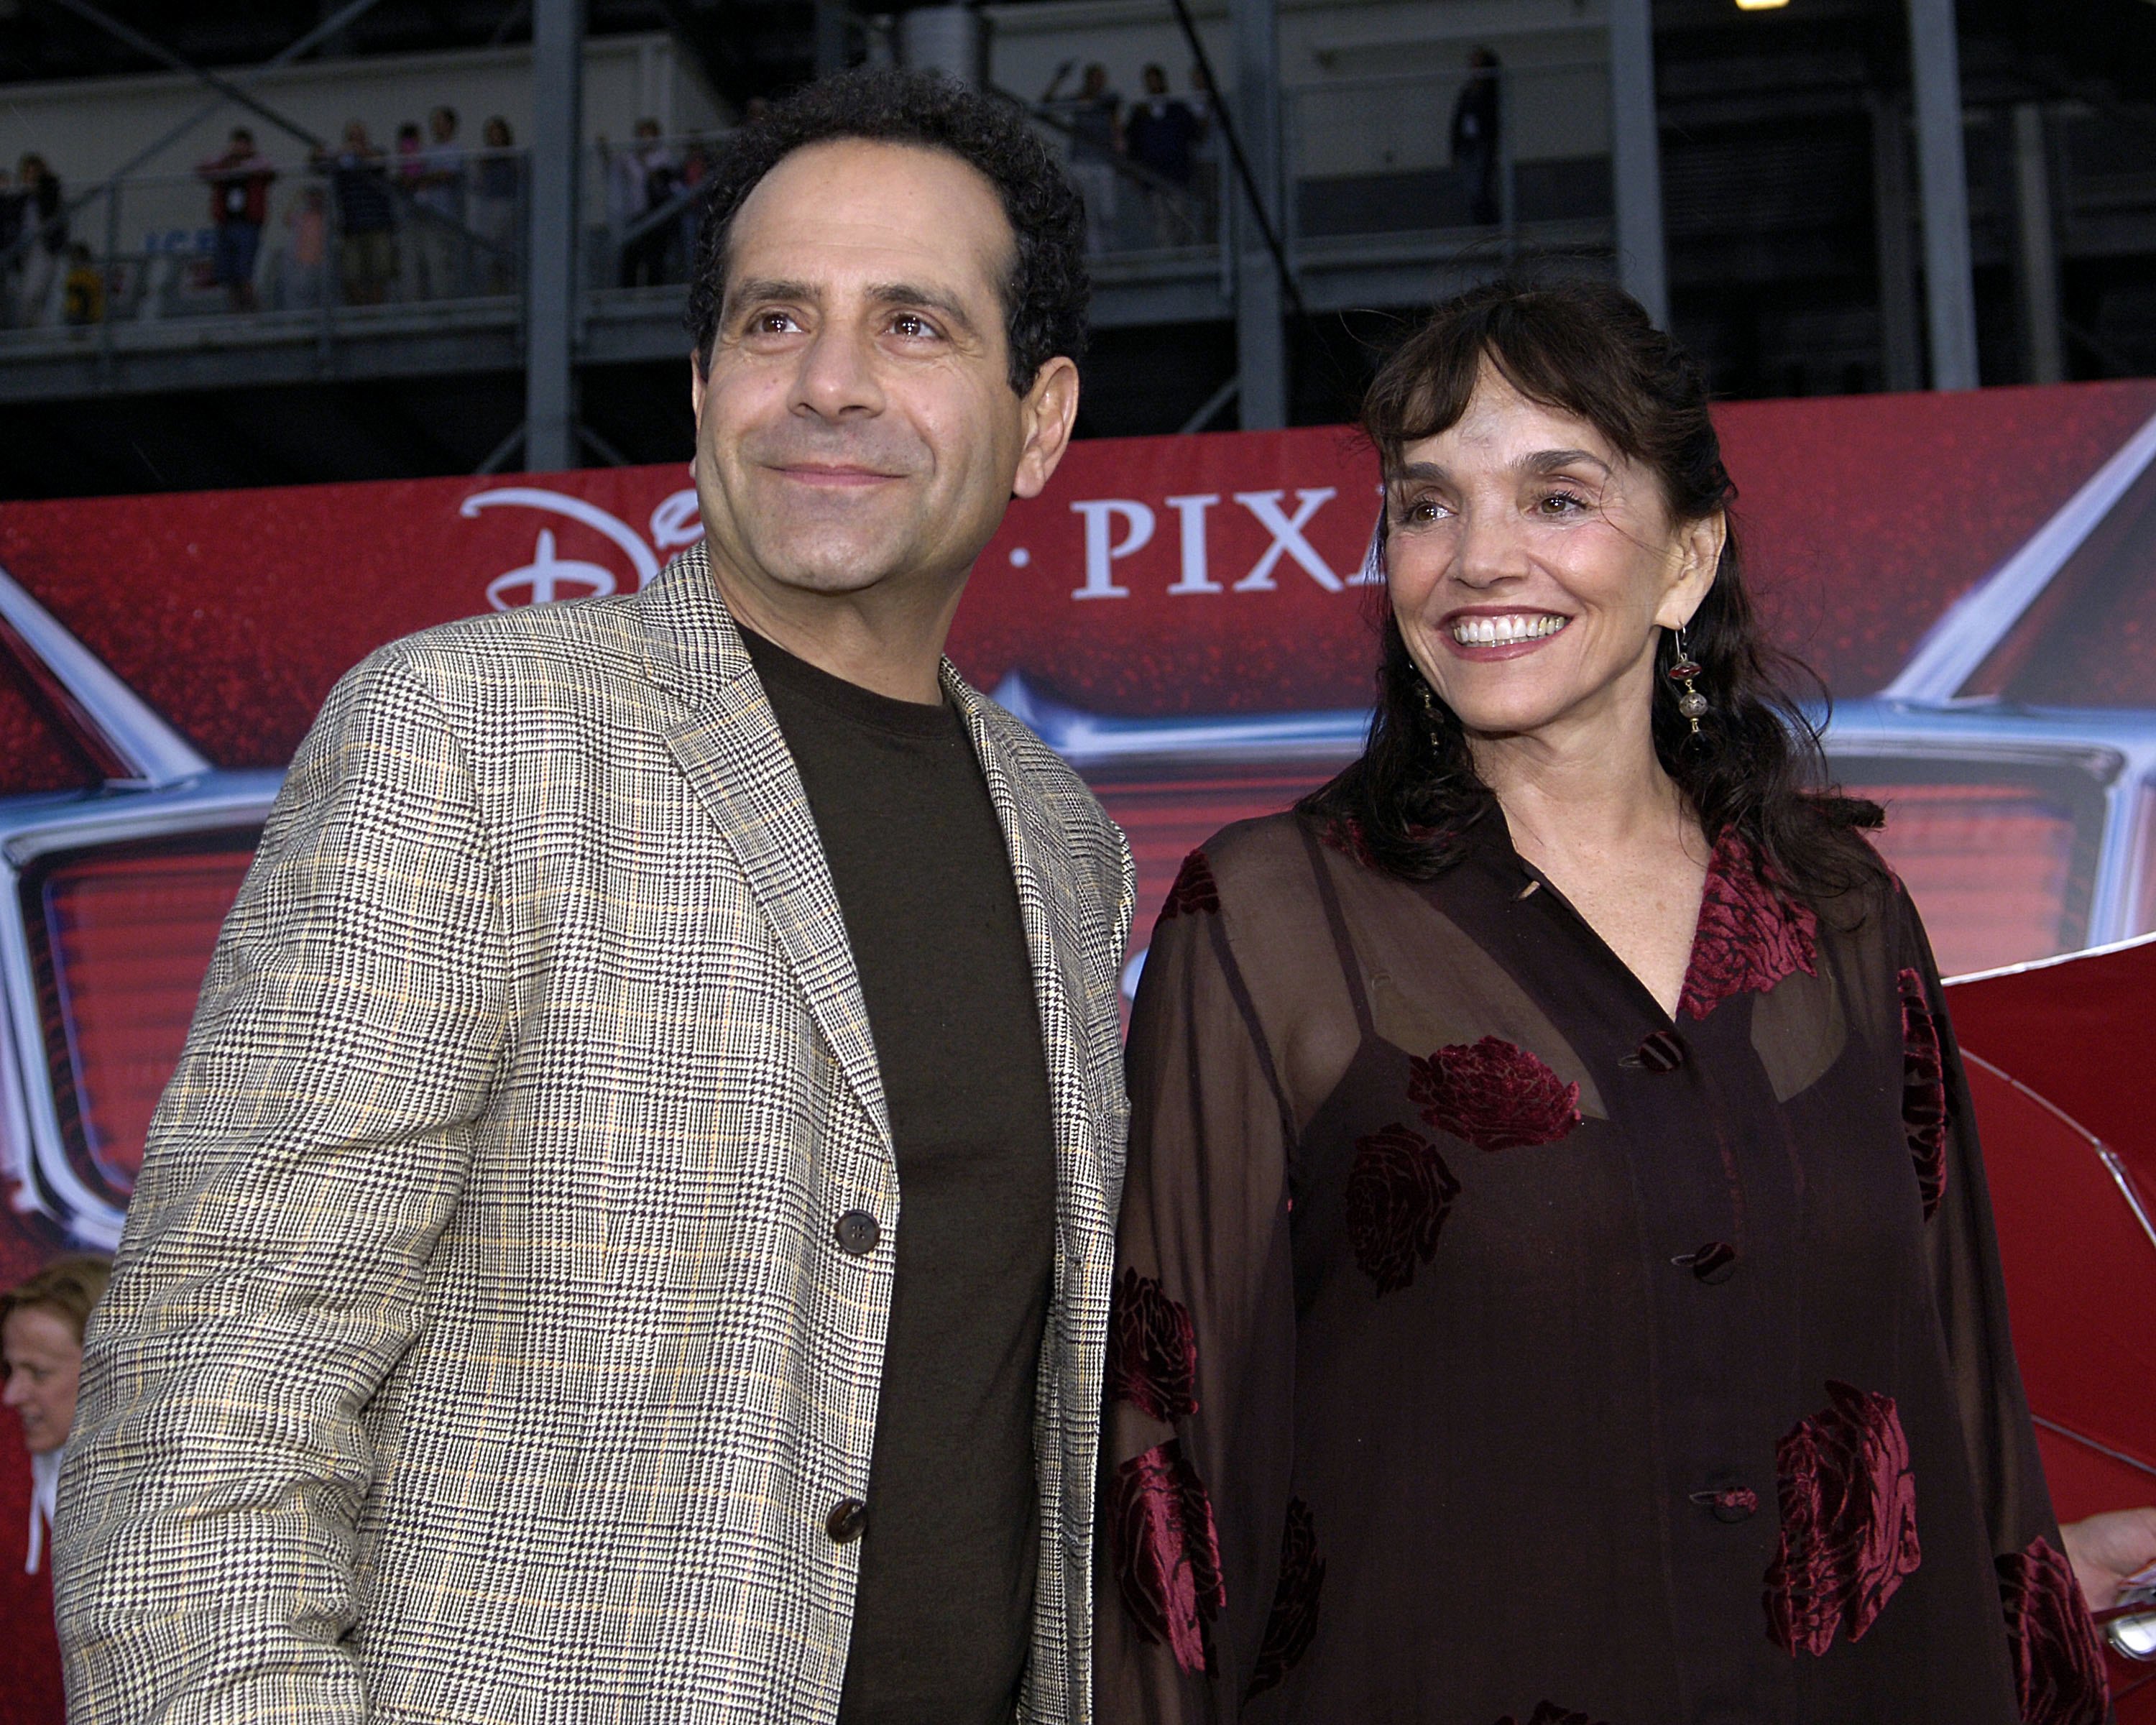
(1489,1345)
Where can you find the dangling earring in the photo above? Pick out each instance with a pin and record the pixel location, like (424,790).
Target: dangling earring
(1692,703)
(1428,714)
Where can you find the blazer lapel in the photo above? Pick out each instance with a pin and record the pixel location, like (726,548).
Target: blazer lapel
(728,742)
(1048,906)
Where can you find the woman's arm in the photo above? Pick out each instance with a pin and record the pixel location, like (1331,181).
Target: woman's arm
(1196,1443)
(2051,1639)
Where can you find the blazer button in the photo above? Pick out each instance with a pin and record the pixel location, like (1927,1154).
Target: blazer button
(848,1521)
(857,1233)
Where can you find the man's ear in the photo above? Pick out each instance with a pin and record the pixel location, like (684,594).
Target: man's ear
(697,382)
(1048,412)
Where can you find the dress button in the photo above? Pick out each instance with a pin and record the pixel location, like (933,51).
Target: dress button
(1729,1503)
(857,1232)
(1713,1263)
(848,1520)
(1661,1052)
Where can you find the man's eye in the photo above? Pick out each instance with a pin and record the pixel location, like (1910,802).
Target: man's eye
(772,323)
(913,325)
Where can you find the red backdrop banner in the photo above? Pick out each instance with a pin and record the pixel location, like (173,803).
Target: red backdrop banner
(1971,575)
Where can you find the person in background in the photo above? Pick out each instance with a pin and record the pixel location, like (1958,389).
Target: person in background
(1094,118)
(1207,153)
(11,200)
(82,289)
(438,204)
(497,174)
(1477,114)
(1160,133)
(41,1329)
(366,217)
(643,187)
(45,227)
(307,223)
(240,182)
(41,1325)
(1556,1276)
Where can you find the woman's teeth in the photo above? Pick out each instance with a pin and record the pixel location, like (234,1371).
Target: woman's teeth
(1502,631)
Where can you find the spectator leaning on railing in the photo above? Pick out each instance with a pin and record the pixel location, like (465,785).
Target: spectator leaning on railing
(239,204)
(11,201)
(642,182)
(1160,132)
(366,215)
(1094,118)
(496,175)
(43,241)
(437,198)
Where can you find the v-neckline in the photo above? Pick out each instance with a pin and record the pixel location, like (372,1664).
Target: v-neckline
(1772,933)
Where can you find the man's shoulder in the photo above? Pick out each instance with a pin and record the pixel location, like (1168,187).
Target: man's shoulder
(528,654)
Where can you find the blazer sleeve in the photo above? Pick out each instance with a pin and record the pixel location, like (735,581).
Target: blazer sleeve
(310,1150)
(1202,1573)
(2052,1642)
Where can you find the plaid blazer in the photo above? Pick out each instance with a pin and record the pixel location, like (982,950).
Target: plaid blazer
(479,1348)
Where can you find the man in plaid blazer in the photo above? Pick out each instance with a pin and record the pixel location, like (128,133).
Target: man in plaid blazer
(500,1329)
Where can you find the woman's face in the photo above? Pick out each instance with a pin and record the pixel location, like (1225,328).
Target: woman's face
(45,1368)
(1529,566)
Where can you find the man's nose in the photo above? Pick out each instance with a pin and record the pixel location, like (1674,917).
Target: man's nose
(17,1393)
(838,377)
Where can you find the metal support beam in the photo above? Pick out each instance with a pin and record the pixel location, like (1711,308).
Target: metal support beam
(154,50)
(550,266)
(1901,340)
(834,46)
(2036,252)
(1943,179)
(1260,343)
(1636,157)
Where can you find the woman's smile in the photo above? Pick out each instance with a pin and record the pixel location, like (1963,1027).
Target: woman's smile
(1500,634)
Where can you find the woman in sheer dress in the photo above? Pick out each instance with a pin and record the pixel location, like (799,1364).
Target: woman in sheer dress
(1556,1278)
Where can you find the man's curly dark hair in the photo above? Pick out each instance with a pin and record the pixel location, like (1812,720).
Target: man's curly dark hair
(1044,298)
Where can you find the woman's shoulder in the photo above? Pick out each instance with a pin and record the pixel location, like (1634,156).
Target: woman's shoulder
(1247,870)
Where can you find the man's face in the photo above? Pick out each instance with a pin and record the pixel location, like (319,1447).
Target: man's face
(856,427)
(443,127)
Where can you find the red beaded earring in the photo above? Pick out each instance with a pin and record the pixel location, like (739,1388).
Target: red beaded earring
(1692,703)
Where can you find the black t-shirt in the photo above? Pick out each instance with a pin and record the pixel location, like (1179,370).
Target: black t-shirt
(943,1616)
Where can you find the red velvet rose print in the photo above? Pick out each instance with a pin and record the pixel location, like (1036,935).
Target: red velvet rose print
(1849,1522)
(1153,1350)
(1167,1552)
(2058,1666)
(1749,937)
(1193,889)
(1293,1622)
(1495,1095)
(1923,1091)
(1550,1713)
(1398,1192)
